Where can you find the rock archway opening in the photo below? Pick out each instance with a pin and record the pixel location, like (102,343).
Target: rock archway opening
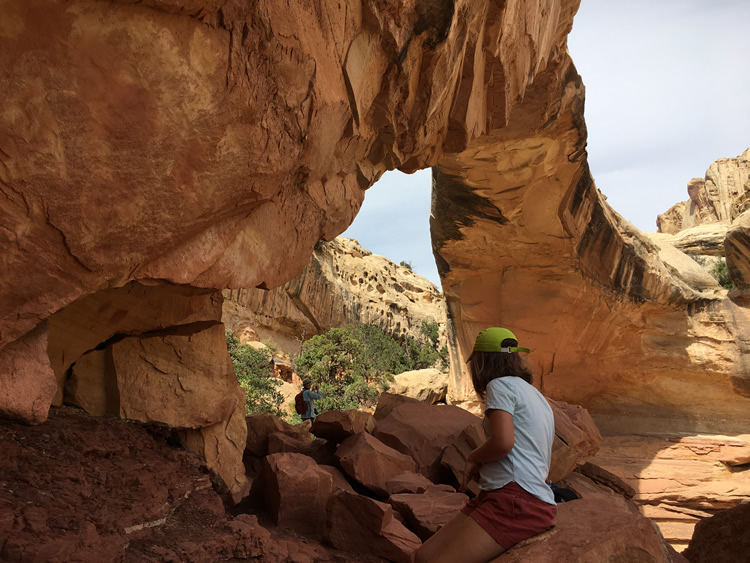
(394,221)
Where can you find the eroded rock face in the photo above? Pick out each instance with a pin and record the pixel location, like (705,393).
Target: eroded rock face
(524,239)
(702,240)
(721,196)
(170,145)
(201,146)
(155,354)
(737,248)
(343,284)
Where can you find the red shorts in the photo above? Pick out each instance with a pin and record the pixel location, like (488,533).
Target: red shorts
(511,514)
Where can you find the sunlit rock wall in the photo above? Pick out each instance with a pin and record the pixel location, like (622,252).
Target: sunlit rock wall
(615,322)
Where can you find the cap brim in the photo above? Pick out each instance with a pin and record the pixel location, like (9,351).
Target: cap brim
(512,349)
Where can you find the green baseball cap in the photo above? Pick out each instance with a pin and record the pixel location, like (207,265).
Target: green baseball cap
(491,339)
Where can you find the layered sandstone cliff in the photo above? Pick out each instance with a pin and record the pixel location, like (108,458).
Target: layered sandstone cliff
(720,197)
(343,284)
(615,322)
(715,220)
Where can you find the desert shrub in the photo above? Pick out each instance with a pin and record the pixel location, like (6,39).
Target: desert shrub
(254,373)
(354,365)
(721,273)
(406,265)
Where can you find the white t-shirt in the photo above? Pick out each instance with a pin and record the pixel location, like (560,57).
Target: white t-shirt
(533,431)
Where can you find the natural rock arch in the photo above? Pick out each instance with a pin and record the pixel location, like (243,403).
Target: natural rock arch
(154,153)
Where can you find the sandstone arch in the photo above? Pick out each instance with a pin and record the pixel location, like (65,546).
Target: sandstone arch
(171,149)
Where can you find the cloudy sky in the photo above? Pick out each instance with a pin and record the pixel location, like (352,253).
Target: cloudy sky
(667,93)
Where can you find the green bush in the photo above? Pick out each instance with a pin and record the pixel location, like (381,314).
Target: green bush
(354,365)
(254,373)
(721,273)
(406,265)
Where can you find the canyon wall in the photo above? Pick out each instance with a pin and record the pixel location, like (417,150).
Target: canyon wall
(633,330)
(719,197)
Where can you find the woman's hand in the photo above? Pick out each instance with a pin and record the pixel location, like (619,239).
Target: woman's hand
(471,473)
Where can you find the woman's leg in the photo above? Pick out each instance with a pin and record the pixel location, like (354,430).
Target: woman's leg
(461,539)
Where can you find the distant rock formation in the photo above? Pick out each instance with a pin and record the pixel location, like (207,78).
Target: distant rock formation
(722,196)
(737,251)
(715,220)
(342,284)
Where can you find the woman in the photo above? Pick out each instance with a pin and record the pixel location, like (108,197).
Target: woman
(512,465)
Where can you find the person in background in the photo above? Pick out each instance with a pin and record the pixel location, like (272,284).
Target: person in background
(515,502)
(310,395)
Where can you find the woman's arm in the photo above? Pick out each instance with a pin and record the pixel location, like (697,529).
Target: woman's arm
(500,440)
(496,446)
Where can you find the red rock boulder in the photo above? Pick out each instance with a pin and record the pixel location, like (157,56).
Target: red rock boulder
(423,432)
(577,439)
(408,483)
(337,426)
(389,401)
(339,479)
(596,528)
(320,450)
(27,381)
(259,426)
(361,524)
(371,463)
(725,536)
(454,456)
(427,512)
(296,492)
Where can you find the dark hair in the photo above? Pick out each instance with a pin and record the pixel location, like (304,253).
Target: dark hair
(486,366)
